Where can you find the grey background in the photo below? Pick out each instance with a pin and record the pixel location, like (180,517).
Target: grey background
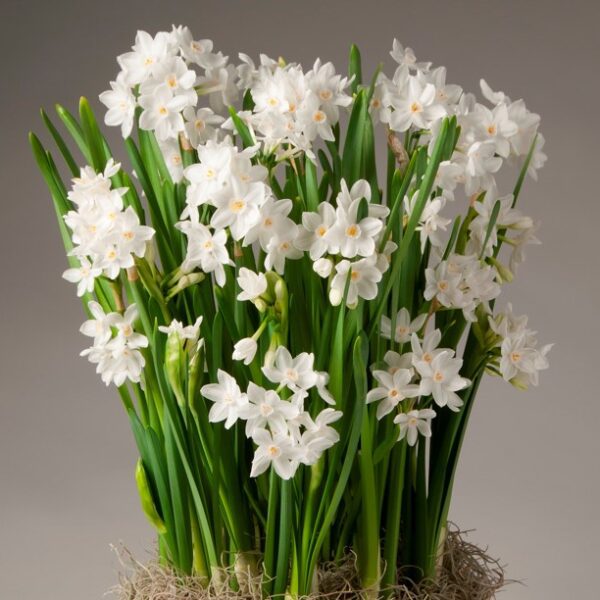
(528,482)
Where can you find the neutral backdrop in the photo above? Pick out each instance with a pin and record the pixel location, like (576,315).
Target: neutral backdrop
(528,482)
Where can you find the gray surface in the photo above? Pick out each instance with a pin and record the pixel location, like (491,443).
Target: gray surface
(528,482)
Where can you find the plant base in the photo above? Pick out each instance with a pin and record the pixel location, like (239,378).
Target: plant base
(467,573)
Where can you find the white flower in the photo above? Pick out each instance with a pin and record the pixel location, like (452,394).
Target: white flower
(442,284)
(491,96)
(295,373)
(313,121)
(480,163)
(393,389)
(124,324)
(319,436)
(205,250)
(239,209)
(201,125)
(521,360)
(84,276)
(99,327)
(273,222)
(281,247)
(172,155)
(188,332)
(245,349)
(415,106)
(117,362)
(404,327)
(430,224)
(315,226)
(229,401)
(428,350)
(162,113)
(147,55)
(362,277)
(252,284)
(440,379)
(173,75)
(277,449)
(405,57)
(414,422)
(329,88)
(121,104)
(394,361)
(266,408)
(117,358)
(323,267)
(494,126)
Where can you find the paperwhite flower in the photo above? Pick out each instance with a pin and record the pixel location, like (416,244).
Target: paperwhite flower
(99,327)
(323,267)
(273,221)
(493,126)
(229,401)
(328,87)
(431,224)
(319,435)
(428,350)
(480,163)
(239,209)
(245,349)
(205,250)
(147,54)
(173,75)
(440,379)
(315,227)
(201,125)
(84,276)
(252,284)
(415,106)
(394,361)
(296,373)
(121,104)
(413,423)
(266,409)
(162,112)
(404,326)
(277,449)
(281,247)
(117,358)
(313,121)
(124,324)
(405,57)
(392,390)
(442,284)
(362,277)
(187,332)
(172,155)
(521,360)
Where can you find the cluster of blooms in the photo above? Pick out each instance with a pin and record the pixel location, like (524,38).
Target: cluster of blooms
(520,359)
(102,229)
(416,100)
(462,282)
(164,75)
(292,108)
(342,240)
(116,345)
(284,432)
(426,371)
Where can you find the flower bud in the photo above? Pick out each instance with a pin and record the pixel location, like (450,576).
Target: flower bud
(245,350)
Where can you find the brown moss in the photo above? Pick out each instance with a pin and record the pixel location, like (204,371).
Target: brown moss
(467,573)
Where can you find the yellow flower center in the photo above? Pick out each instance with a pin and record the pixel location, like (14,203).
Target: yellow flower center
(319,116)
(438,376)
(352,231)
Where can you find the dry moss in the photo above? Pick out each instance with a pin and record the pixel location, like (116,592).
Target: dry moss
(467,573)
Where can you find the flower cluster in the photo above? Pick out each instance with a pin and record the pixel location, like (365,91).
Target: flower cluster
(284,432)
(116,344)
(292,108)
(520,358)
(105,234)
(345,243)
(462,282)
(412,379)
